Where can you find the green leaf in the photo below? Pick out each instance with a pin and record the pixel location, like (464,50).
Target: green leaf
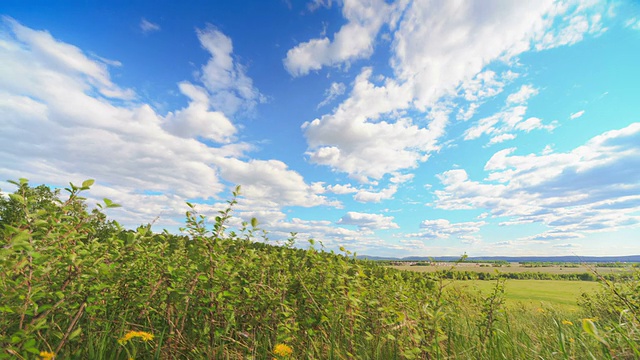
(75,333)
(109,203)
(254,222)
(87,183)
(590,328)
(18,198)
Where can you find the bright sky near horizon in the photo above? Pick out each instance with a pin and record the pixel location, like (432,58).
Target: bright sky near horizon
(390,128)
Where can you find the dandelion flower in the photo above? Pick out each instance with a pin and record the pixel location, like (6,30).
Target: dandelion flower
(282,350)
(135,334)
(45,355)
(566,322)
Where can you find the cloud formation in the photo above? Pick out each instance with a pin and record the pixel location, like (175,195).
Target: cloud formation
(368,221)
(438,50)
(64,119)
(592,188)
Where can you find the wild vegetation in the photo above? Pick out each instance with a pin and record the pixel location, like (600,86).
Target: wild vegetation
(76,285)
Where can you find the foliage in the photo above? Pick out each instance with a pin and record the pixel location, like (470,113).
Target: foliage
(75,285)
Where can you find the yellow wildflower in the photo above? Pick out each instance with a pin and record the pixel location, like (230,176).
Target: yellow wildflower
(45,355)
(572,340)
(541,310)
(135,334)
(282,350)
(566,322)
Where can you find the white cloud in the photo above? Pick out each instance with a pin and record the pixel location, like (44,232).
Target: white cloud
(441,45)
(583,18)
(316,4)
(335,90)
(502,124)
(375,196)
(354,139)
(56,56)
(57,127)
(354,40)
(368,221)
(438,50)
(273,182)
(196,119)
(148,27)
(484,85)
(567,246)
(341,189)
(443,229)
(522,95)
(230,89)
(576,115)
(633,23)
(589,189)
(398,178)
(501,138)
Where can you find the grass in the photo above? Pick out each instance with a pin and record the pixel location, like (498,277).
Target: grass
(559,294)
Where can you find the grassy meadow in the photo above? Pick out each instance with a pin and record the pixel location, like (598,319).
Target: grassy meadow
(558,294)
(76,285)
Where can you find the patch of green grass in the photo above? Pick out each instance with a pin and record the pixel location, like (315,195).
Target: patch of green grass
(558,294)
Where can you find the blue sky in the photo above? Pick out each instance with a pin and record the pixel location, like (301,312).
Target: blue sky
(390,128)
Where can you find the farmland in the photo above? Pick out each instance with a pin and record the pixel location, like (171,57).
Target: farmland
(516,268)
(558,294)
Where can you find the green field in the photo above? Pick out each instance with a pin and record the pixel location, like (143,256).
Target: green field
(558,294)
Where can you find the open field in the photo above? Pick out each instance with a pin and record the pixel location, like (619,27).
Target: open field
(513,268)
(558,294)
(77,286)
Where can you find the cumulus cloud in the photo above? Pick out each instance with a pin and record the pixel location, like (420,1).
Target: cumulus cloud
(592,188)
(439,46)
(197,120)
(272,181)
(368,221)
(375,196)
(65,120)
(438,50)
(348,141)
(341,189)
(354,40)
(230,89)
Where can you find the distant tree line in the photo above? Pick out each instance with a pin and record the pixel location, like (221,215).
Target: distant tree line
(529,275)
